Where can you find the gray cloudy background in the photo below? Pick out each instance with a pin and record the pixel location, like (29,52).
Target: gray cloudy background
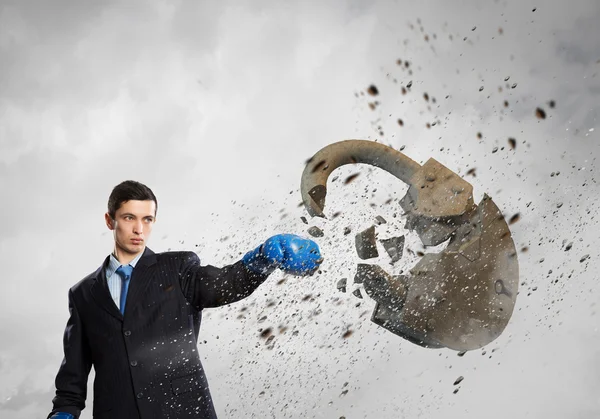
(217,105)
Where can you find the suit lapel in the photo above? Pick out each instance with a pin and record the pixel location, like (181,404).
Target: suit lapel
(140,278)
(101,293)
(142,275)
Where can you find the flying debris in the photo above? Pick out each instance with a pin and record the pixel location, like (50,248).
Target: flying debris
(461,298)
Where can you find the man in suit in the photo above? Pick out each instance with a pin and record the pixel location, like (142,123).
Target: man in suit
(136,318)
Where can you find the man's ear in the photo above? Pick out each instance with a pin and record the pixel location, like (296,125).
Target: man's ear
(110,223)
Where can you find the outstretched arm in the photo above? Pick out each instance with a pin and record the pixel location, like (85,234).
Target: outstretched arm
(209,286)
(72,377)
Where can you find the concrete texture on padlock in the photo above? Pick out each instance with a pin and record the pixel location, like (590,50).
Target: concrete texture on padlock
(461,298)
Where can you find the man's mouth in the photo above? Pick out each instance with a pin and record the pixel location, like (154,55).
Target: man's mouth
(136,241)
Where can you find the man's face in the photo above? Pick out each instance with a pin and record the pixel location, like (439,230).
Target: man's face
(132,225)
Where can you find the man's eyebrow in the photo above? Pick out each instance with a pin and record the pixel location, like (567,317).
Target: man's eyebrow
(134,216)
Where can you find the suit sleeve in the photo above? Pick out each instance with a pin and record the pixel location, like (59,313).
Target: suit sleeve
(209,286)
(72,377)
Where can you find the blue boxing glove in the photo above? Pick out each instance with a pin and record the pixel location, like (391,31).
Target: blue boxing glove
(290,253)
(62,415)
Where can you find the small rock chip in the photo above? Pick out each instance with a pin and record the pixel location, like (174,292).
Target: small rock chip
(341,285)
(357,293)
(351,178)
(540,113)
(315,231)
(372,90)
(394,247)
(459,380)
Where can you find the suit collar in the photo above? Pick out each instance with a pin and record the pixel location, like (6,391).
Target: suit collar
(113,263)
(147,258)
(140,278)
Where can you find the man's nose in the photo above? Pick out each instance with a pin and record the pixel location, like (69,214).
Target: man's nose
(139,227)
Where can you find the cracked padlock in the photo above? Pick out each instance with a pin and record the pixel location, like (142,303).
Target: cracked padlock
(461,298)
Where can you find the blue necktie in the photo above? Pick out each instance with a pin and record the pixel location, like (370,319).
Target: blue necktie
(124,272)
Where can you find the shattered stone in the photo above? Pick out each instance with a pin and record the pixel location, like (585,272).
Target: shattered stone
(357,293)
(304,220)
(341,285)
(583,258)
(366,246)
(364,271)
(315,231)
(514,218)
(346,231)
(540,113)
(459,380)
(394,247)
(266,333)
(351,178)
(380,220)
(372,90)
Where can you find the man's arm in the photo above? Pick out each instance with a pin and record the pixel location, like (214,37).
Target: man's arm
(209,286)
(72,377)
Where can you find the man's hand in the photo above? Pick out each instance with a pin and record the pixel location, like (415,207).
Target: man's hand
(290,253)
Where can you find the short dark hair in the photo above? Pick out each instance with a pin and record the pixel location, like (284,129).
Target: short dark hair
(126,191)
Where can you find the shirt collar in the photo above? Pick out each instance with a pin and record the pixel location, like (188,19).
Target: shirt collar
(113,263)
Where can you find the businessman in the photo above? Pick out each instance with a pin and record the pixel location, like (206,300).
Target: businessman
(136,318)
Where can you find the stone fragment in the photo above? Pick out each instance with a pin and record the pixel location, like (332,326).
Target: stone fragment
(366,246)
(315,231)
(394,247)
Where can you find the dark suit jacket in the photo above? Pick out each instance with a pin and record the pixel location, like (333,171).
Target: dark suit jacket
(146,362)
